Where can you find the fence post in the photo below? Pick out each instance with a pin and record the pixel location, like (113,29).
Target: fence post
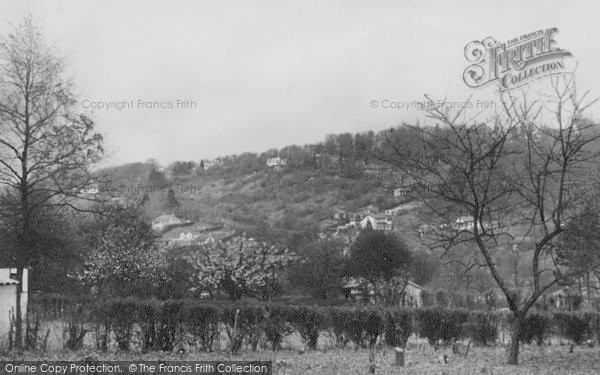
(399,356)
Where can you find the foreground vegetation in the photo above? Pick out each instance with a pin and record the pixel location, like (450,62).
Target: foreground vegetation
(138,325)
(421,359)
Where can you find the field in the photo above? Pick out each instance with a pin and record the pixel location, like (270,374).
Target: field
(420,359)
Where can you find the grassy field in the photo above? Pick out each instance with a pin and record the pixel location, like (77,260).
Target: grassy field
(419,360)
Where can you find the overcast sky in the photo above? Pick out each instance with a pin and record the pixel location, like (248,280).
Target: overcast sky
(267,74)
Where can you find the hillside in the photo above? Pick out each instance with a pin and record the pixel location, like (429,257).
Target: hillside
(289,202)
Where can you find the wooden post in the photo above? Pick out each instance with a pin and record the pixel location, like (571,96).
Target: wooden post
(399,356)
(235,343)
(372,365)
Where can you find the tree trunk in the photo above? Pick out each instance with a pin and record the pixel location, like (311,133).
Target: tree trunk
(513,346)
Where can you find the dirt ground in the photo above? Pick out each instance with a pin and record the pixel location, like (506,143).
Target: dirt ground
(420,359)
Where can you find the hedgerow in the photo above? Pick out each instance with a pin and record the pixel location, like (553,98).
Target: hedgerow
(164,325)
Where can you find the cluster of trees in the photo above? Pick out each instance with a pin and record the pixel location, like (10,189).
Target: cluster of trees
(527,172)
(121,256)
(375,260)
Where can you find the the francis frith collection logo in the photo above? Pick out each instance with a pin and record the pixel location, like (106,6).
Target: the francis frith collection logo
(516,62)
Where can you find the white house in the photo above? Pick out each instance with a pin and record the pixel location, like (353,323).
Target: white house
(8,300)
(164,221)
(401,192)
(376,222)
(207,164)
(401,208)
(465,223)
(90,190)
(276,163)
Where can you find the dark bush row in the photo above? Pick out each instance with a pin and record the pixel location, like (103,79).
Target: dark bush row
(163,325)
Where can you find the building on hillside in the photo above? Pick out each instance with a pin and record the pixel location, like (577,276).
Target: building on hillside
(465,223)
(377,222)
(118,201)
(8,300)
(401,192)
(401,208)
(195,235)
(276,163)
(90,190)
(207,164)
(167,221)
(359,289)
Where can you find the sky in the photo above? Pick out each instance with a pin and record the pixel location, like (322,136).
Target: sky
(238,76)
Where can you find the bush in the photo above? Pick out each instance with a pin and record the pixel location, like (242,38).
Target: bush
(307,320)
(340,324)
(120,315)
(535,328)
(398,327)
(572,326)
(202,321)
(482,327)
(74,327)
(169,324)
(250,318)
(163,323)
(276,327)
(441,324)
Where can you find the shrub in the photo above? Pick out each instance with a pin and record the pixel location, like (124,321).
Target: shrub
(482,327)
(74,327)
(120,315)
(169,324)
(398,327)
(572,326)
(250,318)
(339,322)
(535,328)
(441,324)
(307,320)
(202,321)
(593,319)
(276,327)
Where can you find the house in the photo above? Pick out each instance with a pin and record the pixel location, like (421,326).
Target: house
(566,299)
(465,223)
(8,299)
(207,164)
(118,201)
(166,221)
(90,190)
(401,192)
(276,163)
(341,216)
(359,289)
(401,208)
(376,222)
(195,235)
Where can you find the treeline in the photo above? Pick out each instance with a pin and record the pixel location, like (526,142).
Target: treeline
(146,325)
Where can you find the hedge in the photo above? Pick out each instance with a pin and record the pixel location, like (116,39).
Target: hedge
(163,325)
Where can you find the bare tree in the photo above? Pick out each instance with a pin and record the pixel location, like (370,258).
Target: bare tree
(46,151)
(524,172)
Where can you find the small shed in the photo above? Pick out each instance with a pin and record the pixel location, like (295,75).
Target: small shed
(8,300)
(8,292)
